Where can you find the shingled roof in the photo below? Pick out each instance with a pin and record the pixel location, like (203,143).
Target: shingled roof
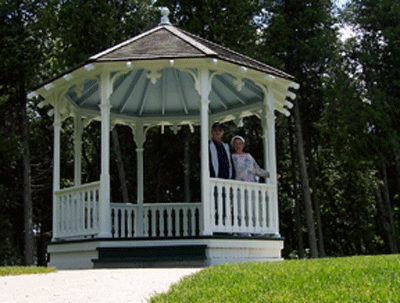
(167,42)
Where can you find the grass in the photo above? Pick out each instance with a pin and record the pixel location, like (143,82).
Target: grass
(349,279)
(24,270)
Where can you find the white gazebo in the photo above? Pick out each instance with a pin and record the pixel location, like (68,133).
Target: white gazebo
(165,77)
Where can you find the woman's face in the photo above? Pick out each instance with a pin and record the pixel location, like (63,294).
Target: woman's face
(238,146)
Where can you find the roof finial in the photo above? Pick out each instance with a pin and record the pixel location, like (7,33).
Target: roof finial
(164,16)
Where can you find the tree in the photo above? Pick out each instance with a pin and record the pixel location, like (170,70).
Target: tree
(301,37)
(229,23)
(376,70)
(78,29)
(21,37)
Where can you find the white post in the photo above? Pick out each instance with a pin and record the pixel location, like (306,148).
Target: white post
(270,158)
(78,129)
(139,135)
(104,199)
(56,166)
(205,89)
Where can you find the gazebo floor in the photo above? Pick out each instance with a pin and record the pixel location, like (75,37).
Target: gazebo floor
(200,251)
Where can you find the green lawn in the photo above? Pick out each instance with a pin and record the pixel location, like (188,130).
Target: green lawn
(350,279)
(24,270)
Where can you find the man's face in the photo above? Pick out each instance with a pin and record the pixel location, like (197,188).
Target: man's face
(217,133)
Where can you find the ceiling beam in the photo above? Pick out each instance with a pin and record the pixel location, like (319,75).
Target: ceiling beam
(129,90)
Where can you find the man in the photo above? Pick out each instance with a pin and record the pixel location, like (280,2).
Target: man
(221,163)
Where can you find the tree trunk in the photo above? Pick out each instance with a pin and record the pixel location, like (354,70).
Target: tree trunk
(397,160)
(389,212)
(381,209)
(315,198)
(305,183)
(299,230)
(27,188)
(120,164)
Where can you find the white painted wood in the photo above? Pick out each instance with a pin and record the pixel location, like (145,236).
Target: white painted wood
(77,211)
(155,214)
(56,166)
(272,161)
(78,129)
(204,89)
(79,255)
(139,135)
(104,207)
(245,197)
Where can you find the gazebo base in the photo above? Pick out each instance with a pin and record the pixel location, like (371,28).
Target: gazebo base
(162,252)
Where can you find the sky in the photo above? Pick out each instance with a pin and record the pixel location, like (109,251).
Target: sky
(340,3)
(346,31)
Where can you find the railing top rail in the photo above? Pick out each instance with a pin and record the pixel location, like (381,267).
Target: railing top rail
(158,204)
(178,204)
(241,183)
(79,187)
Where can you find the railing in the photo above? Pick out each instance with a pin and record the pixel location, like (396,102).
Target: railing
(233,207)
(77,211)
(159,220)
(242,207)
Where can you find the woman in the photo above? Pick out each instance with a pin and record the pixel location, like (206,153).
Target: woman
(245,166)
(246,170)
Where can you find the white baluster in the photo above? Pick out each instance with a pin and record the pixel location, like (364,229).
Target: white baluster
(69,214)
(219,205)
(193,223)
(62,214)
(79,211)
(162,222)
(74,213)
(129,222)
(263,207)
(185,221)
(124,221)
(153,222)
(235,205)
(257,210)
(172,218)
(145,222)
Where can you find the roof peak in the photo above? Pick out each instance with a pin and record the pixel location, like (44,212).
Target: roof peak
(164,16)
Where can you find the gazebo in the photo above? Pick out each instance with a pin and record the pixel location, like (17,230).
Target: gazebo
(165,77)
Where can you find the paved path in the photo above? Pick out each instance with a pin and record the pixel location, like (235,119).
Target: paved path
(94,285)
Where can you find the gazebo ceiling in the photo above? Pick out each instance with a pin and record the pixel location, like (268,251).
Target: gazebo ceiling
(153,77)
(173,94)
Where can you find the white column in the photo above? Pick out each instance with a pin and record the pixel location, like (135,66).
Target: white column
(78,129)
(139,135)
(264,126)
(56,166)
(270,158)
(104,203)
(140,190)
(205,89)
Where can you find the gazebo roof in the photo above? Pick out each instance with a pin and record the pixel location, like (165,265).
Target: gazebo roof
(153,77)
(167,41)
